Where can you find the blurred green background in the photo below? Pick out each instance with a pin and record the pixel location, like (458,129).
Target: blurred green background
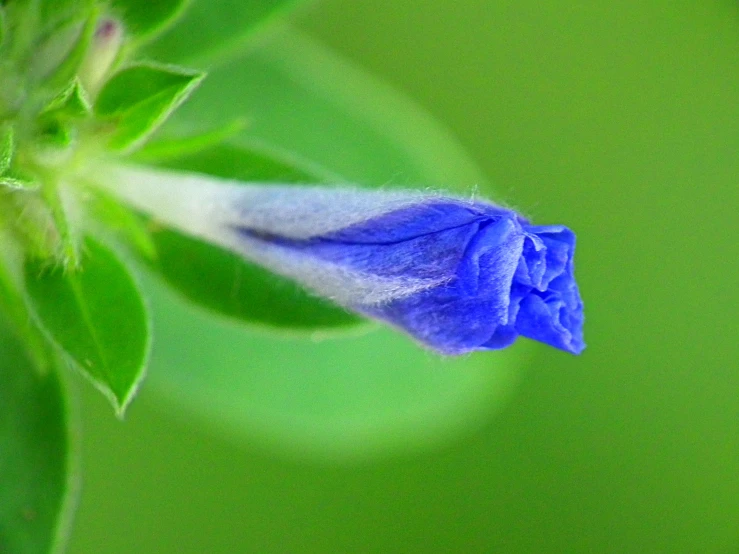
(620,120)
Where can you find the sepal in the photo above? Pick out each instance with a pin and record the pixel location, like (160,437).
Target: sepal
(139,98)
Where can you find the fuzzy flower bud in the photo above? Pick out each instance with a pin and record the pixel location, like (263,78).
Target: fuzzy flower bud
(457,275)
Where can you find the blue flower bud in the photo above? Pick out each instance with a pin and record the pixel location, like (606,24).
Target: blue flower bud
(457,275)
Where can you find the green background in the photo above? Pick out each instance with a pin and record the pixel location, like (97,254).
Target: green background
(620,120)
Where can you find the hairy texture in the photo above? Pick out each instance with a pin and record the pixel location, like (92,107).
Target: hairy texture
(455,274)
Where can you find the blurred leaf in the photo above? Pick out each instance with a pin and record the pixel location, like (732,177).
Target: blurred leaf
(70,63)
(300,98)
(56,47)
(46,24)
(34,454)
(97,317)
(15,313)
(242,163)
(363,395)
(3,29)
(55,11)
(141,97)
(226,284)
(7,147)
(144,18)
(213,28)
(121,221)
(56,133)
(159,151)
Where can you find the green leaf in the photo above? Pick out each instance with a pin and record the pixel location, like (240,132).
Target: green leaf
(7,147)
(208,29)
(96,316)
(138,83)
(36,485)
(223,282)
(144,18)
(139,98)
(71,103)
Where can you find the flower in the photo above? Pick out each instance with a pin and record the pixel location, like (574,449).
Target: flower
(457,275)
